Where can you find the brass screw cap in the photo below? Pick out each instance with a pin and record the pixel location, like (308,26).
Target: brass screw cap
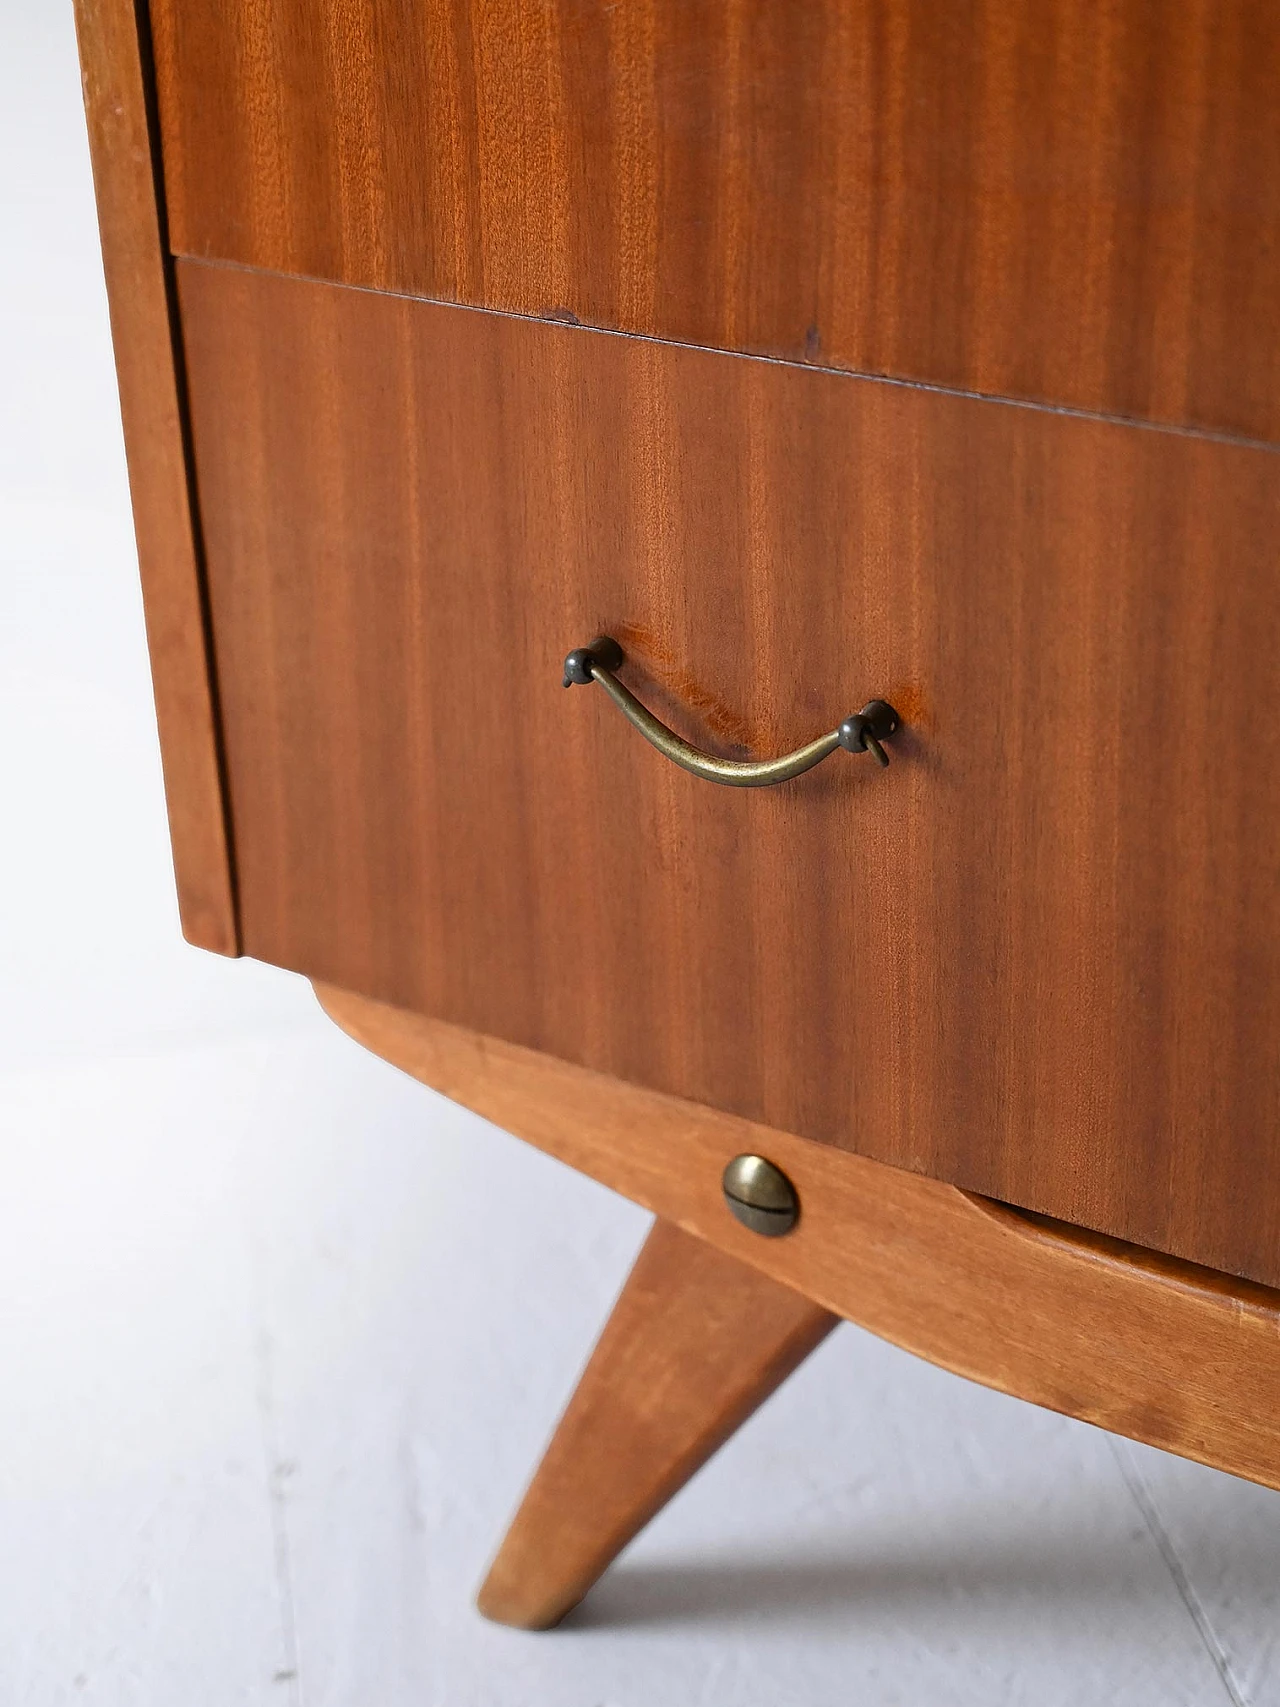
(761,1196)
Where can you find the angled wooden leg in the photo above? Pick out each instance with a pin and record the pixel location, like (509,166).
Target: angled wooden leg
(695,1343)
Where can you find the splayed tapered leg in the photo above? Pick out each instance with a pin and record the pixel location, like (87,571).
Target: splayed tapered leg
(696,1342)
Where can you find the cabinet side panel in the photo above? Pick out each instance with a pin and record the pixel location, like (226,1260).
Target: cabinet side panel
(112,56)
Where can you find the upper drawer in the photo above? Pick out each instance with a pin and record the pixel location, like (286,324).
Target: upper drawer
(1038,956)
(1047,199)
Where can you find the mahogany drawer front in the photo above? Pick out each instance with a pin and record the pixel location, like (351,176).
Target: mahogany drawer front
(1039,956)
(1033,198)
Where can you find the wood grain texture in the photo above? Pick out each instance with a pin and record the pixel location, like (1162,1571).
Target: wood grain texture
(696,1343)
(1052,200)
(1143,1345)
(1038,957)
(135,262)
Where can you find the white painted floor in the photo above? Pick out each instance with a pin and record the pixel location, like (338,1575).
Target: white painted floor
(281,1333)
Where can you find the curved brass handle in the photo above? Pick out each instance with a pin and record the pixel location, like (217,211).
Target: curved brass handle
(861,733)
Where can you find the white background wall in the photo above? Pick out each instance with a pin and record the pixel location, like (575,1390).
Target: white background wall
(281,1333)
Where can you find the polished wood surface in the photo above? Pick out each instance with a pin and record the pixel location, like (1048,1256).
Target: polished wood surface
(1044,199)
(696,1343)
(136,264)
(1152,1348)
(1039,956)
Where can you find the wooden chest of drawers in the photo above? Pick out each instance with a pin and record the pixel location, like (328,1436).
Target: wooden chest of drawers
(817,355)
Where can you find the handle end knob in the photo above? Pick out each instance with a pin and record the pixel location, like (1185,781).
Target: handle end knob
(602,651)
(866,729)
